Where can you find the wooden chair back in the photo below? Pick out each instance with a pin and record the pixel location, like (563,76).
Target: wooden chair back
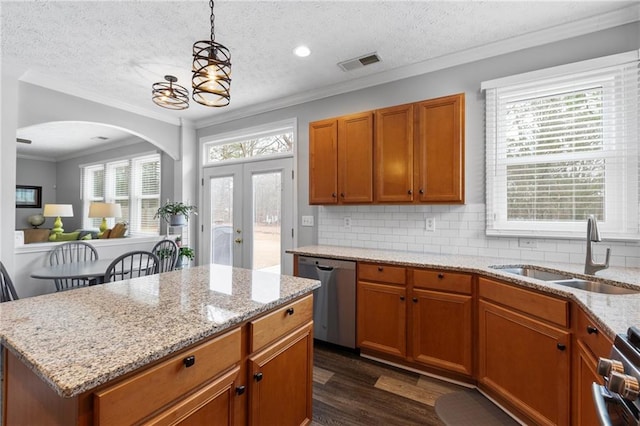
(7,290)
(133,264)
(167,252)
(73,251)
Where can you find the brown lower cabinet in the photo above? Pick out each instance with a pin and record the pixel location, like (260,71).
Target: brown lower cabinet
(258,373)
(419,317)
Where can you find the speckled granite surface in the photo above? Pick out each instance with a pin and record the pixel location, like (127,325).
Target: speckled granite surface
(82,338)
(613,313)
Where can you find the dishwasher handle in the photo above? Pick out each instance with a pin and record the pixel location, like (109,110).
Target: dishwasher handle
(325,268)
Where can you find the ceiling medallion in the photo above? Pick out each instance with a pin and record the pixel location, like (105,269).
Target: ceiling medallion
(169,95)
(211,79)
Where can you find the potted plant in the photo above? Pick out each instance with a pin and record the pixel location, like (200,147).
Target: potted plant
(175,213)
(185,254)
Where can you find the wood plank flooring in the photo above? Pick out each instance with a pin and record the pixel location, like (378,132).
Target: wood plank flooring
(351,390)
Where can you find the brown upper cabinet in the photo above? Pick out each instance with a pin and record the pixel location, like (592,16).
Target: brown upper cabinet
(341,160)
(415,155)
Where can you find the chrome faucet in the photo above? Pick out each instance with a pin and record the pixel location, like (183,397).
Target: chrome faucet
(590,267)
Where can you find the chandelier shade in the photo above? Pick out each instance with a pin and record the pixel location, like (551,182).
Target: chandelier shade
(169,95)
(211,81)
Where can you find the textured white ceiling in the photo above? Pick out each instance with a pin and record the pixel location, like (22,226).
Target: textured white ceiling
(118,49)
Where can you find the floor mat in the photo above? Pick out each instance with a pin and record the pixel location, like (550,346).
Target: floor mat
(469,407)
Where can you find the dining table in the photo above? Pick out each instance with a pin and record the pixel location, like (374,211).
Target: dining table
(88,269)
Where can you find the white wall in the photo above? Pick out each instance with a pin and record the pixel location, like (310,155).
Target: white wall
(375,225)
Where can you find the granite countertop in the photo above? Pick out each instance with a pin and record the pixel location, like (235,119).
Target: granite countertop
(613,313)
(79,339)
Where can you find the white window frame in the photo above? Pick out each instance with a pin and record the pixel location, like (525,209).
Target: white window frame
(133,197)
(621,189)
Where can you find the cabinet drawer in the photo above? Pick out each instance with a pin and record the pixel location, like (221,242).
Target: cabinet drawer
(586,330)
(542,306)
(276,324)
(442,280)
(382,273)
(135,398)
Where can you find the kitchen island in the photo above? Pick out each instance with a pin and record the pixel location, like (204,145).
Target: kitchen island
(160,349)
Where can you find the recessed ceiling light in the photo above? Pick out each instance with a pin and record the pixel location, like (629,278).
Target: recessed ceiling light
(302,51)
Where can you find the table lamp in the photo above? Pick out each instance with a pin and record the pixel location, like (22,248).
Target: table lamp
(57,211)
(104,210)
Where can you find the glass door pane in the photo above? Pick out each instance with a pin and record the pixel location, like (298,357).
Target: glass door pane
(221,196)
(266,192)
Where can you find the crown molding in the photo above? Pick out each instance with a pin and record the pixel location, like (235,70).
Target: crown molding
(35,157)
(538,38)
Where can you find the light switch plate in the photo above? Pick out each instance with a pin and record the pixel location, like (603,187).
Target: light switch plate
(527,242)
(307,220)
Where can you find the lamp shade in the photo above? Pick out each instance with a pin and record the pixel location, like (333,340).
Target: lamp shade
(58,210)
(105,210)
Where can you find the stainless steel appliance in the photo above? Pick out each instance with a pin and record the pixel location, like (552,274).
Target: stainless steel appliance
(334,303)
(617,401)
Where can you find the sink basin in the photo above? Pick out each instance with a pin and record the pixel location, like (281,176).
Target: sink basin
(596,287)
(566,280)
(536,273)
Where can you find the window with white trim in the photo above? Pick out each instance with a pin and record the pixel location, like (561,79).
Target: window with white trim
(268,141)
(134,183)
(562,144)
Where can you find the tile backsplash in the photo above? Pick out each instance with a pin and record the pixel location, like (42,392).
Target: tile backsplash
(458,230)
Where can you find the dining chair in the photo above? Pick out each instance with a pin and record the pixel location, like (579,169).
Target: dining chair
(167,252)
(133,264)
(74,251)
(7,290)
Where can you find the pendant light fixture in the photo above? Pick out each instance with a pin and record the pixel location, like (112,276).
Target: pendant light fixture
(211,80)
(169,95)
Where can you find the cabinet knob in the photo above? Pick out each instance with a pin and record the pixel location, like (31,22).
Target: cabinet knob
(238,240)
(189,361)
(592,330)
(257,376)
(415,300)
(401,297)
(240,390)
(409,192)
(342,194)
(380,268)
(421,191)
(561,346)
(333,194)
(441,276)
(290,311)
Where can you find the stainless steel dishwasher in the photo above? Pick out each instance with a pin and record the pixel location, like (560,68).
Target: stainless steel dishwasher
(334,303)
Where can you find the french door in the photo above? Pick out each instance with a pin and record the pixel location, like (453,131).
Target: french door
(248,215)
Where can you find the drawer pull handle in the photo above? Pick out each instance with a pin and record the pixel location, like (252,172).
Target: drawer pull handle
(290,311)
(592,330)
(189,361)
(257,377)
(380,268)
(441,276)
(561,346)
(240,390)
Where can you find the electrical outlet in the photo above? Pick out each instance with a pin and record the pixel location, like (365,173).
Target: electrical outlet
(307,220)
(347,223)
(527,243)
(430,224)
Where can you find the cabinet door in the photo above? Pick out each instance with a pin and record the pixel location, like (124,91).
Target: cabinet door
(440,150)
(211,405)
(394,154)
(355,158)
(281,381)
(323,162)
(382,318)
(441,330)
(526,362)
(585,375)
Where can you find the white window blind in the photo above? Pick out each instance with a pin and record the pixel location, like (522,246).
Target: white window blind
(134,183)
(563,146)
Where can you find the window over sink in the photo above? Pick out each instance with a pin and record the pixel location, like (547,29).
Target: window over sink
(561,144)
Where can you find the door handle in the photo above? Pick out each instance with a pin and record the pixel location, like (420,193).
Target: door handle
(238,240)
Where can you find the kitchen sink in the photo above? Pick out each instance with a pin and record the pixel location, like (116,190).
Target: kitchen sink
(566,280)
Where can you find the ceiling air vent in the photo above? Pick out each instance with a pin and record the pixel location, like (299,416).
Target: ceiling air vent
(21,140)
(352,64)
(100,138)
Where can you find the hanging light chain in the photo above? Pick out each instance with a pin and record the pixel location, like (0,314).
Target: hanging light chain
(212,18)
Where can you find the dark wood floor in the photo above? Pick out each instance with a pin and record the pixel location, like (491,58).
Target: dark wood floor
(351,390)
